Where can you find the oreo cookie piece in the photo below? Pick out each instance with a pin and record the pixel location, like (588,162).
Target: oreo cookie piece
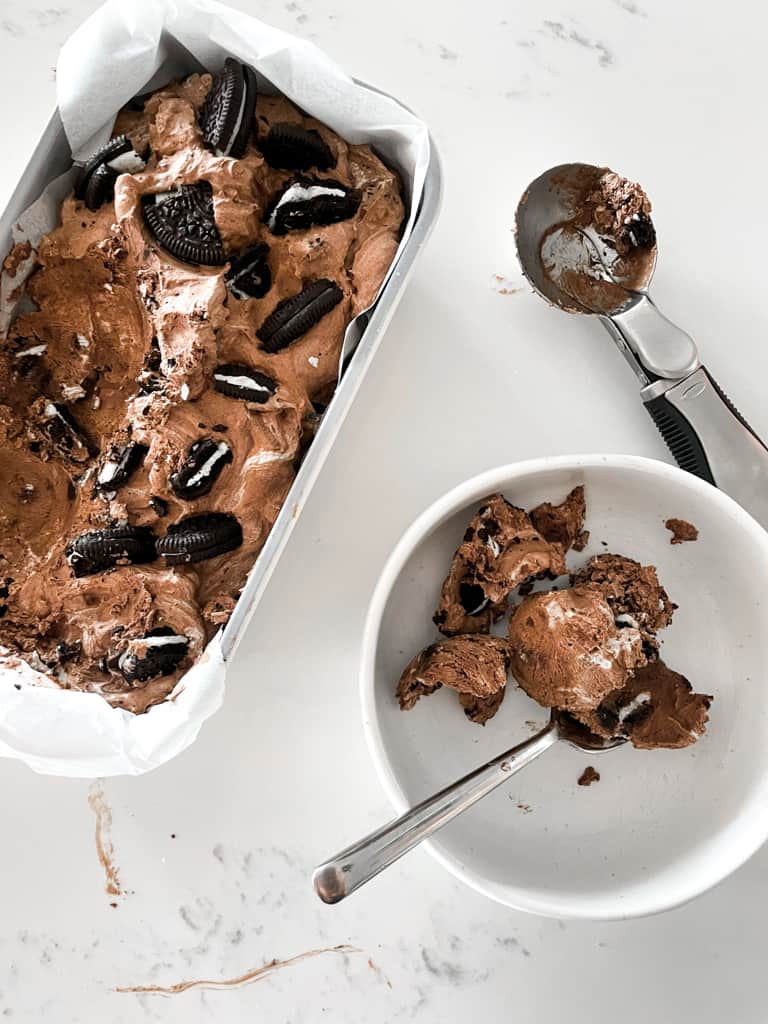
(119,465)
(293,317)
(289,147)
(227,114)
(96,181)
(249,276)
(311,202)
(200,537)
(201,469)
(182,222)
(64,434)
(99,550)
(240,381)
(157,653)
(639,233)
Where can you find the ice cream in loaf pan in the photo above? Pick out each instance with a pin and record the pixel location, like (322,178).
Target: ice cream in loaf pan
(155,402)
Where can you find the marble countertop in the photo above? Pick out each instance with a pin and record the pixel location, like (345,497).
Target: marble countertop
(213,852)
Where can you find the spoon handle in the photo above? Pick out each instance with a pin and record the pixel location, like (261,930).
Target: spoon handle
(362,861)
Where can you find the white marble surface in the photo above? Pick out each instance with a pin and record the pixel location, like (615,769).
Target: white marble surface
(468,376)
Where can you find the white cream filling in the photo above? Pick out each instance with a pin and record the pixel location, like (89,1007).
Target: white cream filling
(127,163)
(238,124)
(222,450)
(34,350)
(634,704)
(241,382)
(302,194)
(107,472)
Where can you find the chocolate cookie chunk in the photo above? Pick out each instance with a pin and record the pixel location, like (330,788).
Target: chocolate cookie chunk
(96,181)
(293,317)
(227,114)
(240,381)
(310,202)
(99,550)
(64,434)
(201,468)
(249,276)
(182,222)
(157,653)
(639,232)
(120,464)
(289,147)
(200,537)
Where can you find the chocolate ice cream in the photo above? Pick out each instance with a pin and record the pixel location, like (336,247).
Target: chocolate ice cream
(632,590)
(562,524)
(590,649)
(567,651)
(681,531)
(501,549)
(655,708)
(188,320)
(474,665)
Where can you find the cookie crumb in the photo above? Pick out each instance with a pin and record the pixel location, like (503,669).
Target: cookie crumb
(581,541)
(681,531)
(588,776)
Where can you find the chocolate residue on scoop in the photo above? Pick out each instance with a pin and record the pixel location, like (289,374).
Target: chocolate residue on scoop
(607,248)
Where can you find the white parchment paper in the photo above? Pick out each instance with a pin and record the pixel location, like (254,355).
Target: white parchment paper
(124,49)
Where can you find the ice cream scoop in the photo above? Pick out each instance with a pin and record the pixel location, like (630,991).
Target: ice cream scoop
(586,243)
(357,864)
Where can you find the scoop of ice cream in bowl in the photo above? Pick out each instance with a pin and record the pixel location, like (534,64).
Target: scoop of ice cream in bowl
(554,585)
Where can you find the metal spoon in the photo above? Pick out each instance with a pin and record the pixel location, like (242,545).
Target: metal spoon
(362,861)
(704,431)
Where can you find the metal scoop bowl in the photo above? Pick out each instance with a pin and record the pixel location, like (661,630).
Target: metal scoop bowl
(357,864)
(704,431)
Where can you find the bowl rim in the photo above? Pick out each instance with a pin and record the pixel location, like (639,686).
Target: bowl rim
(578,908)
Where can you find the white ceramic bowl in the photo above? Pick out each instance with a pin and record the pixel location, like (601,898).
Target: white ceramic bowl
(661,826)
